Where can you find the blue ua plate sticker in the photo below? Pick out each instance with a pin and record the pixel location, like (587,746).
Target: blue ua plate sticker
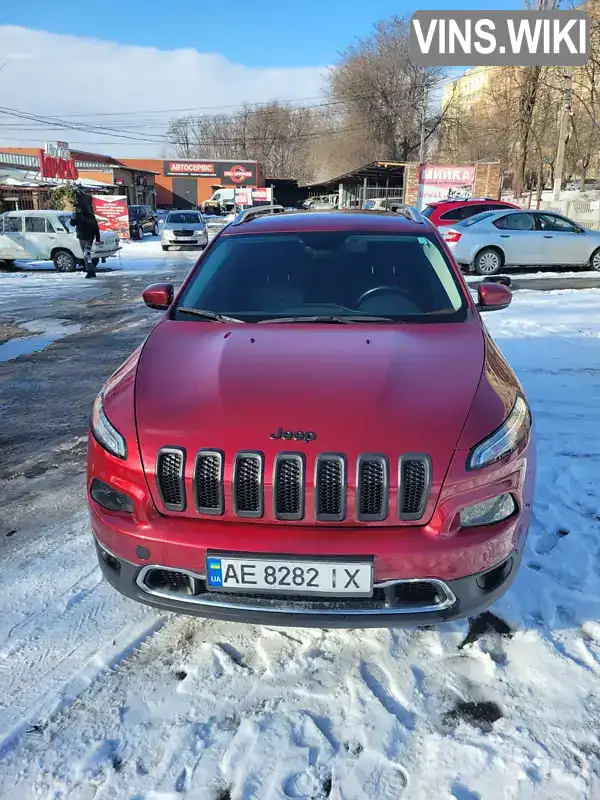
(214,572)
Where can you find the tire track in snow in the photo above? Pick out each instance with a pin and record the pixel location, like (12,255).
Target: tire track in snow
(63,627)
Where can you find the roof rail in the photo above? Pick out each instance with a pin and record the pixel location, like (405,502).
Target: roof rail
(256,211)
(412,213)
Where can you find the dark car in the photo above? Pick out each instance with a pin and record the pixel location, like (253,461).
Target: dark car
(142,219)
(449,212)
(319,431)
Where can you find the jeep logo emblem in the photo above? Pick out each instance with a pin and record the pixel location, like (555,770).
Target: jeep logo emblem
(299,436)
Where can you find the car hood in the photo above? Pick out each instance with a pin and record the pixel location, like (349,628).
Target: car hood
(360,388)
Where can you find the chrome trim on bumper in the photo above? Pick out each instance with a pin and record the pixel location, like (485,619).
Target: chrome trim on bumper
(197,600)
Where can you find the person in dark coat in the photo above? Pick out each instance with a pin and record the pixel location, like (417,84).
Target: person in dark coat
(86,229)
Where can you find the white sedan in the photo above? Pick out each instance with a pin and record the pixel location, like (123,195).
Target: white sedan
(492,240)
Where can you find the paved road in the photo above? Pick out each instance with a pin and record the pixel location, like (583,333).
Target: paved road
(522,279)
(46,396)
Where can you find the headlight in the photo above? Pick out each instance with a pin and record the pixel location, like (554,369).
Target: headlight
(488,512)
(505,439)
(201,232)
(105,433)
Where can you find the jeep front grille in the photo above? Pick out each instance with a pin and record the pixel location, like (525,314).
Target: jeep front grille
(372,489)
(208,482)
(248,485)
(414,483)
(330,488)
(332,482)
(170,478)
(288,486)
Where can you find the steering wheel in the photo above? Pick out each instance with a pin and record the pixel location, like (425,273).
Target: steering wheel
(381,290)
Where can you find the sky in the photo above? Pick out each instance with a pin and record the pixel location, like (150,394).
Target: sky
(126,67)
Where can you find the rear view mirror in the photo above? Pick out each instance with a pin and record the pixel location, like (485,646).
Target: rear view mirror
(493,296)
(159,295)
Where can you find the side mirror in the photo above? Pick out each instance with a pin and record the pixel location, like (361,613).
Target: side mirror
(159,295)
(493,296)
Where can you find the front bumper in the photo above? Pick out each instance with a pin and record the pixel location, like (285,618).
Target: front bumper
(472,567)
(465,597)
(184,240)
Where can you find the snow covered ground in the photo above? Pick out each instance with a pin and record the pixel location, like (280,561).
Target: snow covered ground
(102,698)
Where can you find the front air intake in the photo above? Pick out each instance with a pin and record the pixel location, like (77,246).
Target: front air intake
(208,482)
(414,481)
(288,486)
(170,467)
(372,488)
(330,488)
(248,485)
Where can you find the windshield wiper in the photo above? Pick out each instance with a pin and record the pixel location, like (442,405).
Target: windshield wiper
(201,312)
(344,319)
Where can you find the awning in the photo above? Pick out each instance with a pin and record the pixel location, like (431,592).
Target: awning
(374,172)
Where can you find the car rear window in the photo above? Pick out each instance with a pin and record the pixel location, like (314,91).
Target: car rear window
(456,213)
(260,276)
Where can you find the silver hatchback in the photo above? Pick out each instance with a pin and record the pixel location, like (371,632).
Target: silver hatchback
(184,228)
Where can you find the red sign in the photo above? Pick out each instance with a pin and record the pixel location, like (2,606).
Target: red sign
(263,195)
(191,168)
(58,168)
(237,173)
(445,182)
(243,196)
(112,214)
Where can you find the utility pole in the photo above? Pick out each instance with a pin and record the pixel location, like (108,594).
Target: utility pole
(563,133)
(423,118)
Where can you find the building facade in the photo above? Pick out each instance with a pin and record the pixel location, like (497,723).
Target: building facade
(96,171)
(185,183)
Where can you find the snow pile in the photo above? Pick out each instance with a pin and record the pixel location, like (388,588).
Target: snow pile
(509,708)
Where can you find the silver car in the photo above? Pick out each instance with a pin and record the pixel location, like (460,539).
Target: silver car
(184,228)
(489,241)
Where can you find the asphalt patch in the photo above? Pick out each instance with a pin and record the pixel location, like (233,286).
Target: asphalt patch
(481,715)
(483,624)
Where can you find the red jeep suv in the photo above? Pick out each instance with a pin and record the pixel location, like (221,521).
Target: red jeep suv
(449,212)
(318,432)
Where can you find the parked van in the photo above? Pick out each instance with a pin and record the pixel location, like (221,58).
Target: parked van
(220,202)
(48,236)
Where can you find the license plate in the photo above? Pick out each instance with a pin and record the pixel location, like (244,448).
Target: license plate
(291,576)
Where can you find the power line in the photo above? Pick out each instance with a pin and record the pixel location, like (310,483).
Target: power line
(48,121)
(216,142)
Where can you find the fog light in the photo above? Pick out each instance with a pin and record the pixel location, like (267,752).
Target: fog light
(488,512)
(110,498)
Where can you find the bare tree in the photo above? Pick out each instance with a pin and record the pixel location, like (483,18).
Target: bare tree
(380,93)
(276,134)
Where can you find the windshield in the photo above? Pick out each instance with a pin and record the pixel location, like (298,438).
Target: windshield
(428,211)
(465,223)
(183,218)
(134,211)
(258,277)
